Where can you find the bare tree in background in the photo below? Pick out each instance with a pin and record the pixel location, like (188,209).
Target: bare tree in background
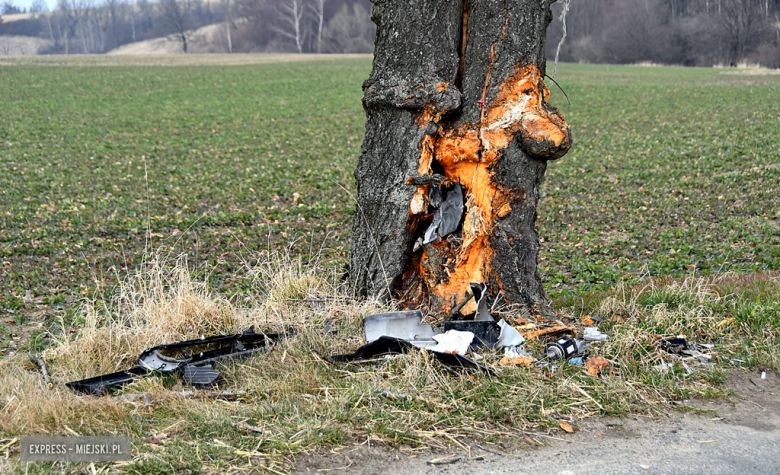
(85,21)
(688,32)
(318,9)
(177,15)
(6,49)
(64,23)
(112,8)
(350,31)
(290,15)
(147,14)
(229,15)
(131,10)
(38,6)
(739,27)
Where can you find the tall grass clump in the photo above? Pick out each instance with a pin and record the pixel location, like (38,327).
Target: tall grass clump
(161,303)
(742,324)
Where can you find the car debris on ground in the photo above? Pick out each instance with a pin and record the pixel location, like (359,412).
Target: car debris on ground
(460,343)
(192,359)
(474,342)
(593,334)
(689,355)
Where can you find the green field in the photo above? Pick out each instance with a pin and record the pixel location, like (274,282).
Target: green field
(672,171)
(208,158)
(108,169)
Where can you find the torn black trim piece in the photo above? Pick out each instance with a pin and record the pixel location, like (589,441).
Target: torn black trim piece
(102,384)
(200,376)
(392,346)
(176,357)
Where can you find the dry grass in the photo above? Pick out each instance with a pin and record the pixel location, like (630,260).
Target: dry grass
(740,315)
(161,303)
(304,402)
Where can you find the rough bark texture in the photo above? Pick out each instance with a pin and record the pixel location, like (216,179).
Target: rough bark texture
(456,95)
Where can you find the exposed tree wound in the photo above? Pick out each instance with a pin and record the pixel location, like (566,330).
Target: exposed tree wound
(466,154)
(481,120)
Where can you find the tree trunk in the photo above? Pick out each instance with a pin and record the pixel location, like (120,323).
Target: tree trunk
(455,101)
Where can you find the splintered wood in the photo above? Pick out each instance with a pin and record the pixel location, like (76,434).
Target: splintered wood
(465,154)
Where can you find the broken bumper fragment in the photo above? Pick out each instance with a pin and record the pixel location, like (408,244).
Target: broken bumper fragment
(103,384)
(402,325)
(393,346)
(192,359)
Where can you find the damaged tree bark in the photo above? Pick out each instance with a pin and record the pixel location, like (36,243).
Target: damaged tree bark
(458,136)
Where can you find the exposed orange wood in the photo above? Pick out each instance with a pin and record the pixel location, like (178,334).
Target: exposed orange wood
(426,155)
(465,154)
(532,335)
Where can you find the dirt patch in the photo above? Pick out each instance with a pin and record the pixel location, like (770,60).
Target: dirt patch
(756,402)
(18,328)
(725,437)
(360,459)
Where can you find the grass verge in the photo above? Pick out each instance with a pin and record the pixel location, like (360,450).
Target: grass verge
(302,402)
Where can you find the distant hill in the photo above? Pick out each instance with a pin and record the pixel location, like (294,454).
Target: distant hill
(203,40)
(19,16)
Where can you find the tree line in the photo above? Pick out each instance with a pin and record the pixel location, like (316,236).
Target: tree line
(300,26)
(683,32)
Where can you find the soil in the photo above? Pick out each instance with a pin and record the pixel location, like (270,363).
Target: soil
(19,329)
(712,437)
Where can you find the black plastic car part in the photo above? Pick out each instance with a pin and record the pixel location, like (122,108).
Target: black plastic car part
(392,346)
(192,359)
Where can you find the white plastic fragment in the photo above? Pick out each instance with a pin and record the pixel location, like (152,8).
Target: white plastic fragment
(763,375)
(696,354)
(688,369)
(453,341)
(593,334)
(513,352)
(509,336)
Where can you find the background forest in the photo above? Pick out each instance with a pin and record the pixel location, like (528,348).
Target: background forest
(681,32)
